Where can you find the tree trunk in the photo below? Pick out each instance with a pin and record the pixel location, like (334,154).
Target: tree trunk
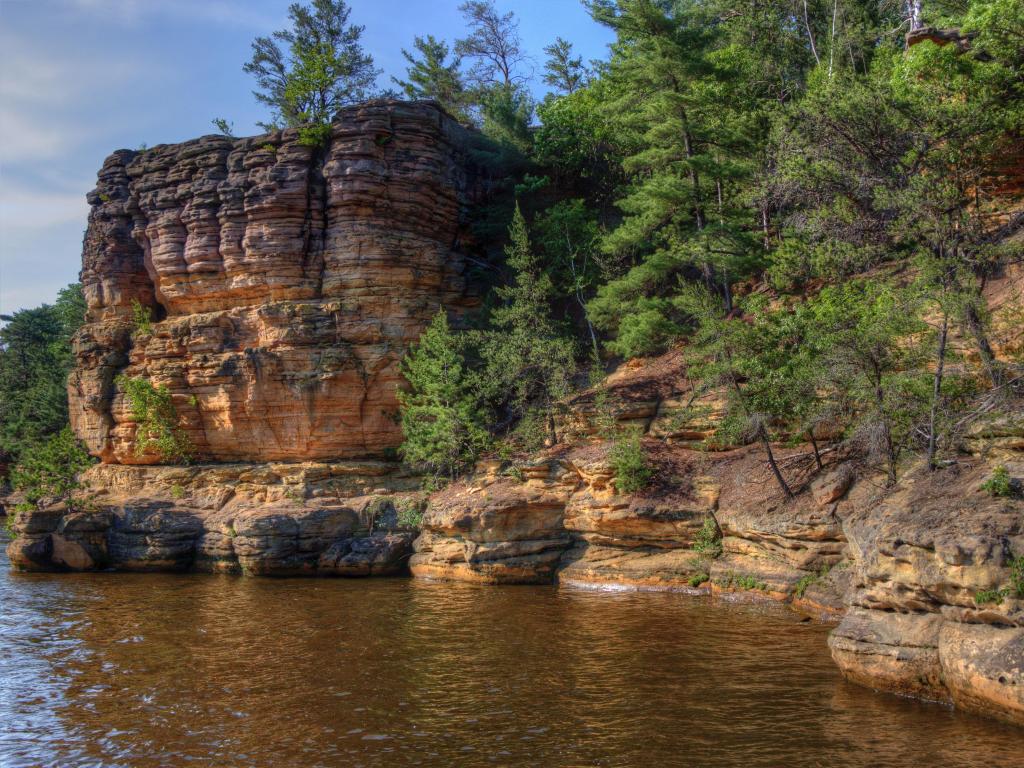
(817,453)
(988,357)
(763,433)
(890,449)
(940,365)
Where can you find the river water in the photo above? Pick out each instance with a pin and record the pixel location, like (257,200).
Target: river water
(166,671)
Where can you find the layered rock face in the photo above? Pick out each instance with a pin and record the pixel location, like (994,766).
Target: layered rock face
(310,519)
(285,282)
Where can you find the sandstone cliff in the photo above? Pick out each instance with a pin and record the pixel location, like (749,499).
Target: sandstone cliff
(286,282)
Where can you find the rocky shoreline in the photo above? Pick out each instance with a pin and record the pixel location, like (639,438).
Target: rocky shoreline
(899,570)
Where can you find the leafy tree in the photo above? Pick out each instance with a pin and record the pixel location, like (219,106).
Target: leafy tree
(762,362)
(529,361)
(563,71)
(567,237)
(432,76)
(306,73)
(35,359)
(871,343)
(47,472)
(442,419)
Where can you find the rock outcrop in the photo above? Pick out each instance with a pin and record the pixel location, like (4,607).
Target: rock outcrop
(312,519)
(284,282)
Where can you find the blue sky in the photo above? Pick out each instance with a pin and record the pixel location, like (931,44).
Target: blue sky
(81,78)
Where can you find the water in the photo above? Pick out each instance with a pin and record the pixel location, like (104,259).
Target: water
(141,671)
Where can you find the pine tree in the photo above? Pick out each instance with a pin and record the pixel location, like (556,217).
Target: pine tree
(684,212)
(529,357)
(563,71)
(440,412)
(431,75)
(322,68)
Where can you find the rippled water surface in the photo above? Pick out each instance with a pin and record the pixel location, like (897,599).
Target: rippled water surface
(140,671)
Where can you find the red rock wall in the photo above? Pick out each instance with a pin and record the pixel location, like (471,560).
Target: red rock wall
(287,282)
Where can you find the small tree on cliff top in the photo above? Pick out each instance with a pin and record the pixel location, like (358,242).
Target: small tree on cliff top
(320,68)
(441,416)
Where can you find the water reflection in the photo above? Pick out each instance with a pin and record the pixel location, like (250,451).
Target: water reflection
(140,671)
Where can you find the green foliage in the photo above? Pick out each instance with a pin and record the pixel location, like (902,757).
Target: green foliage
(563,71)
(157,427)
(1017,575)
(441,415)
(224,127)
(177,492)
(708,541)
(698,578)
(990,596)
(999,483)
(307,72)
(633,471)
(47,472)
(744,581)
(528,357)
(431,75)
(142,318)
(808,579)
(410,514)
(35,359)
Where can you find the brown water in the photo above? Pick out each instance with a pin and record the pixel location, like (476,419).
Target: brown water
(141,671)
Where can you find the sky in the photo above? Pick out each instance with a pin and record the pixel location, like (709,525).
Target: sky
(81,78)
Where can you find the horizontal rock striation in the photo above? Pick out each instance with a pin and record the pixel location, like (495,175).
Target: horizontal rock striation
(314,519)
(284,282)
(934,612)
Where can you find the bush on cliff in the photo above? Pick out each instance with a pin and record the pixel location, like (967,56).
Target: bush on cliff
(633,472)
(157,427)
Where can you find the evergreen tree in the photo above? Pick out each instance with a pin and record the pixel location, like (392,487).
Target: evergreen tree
(431,75)
(563,71)
(441,416)
(35,359)
(529,360)
(685,213)
(308,72)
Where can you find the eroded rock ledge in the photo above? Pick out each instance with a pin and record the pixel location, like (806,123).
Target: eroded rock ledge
(313,519)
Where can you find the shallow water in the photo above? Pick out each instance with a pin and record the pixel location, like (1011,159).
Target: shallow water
(141,671)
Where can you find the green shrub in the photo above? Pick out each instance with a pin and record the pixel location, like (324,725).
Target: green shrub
(48,472)
(811,578)
(157,430)
(745,581)
(708,541)
(999,484)
(991,596)
(632,471)
(177,492)
(1017,575)
(699,578)
(410,514)
(142,318)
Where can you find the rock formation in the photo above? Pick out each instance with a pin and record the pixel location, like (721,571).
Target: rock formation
(286,282)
